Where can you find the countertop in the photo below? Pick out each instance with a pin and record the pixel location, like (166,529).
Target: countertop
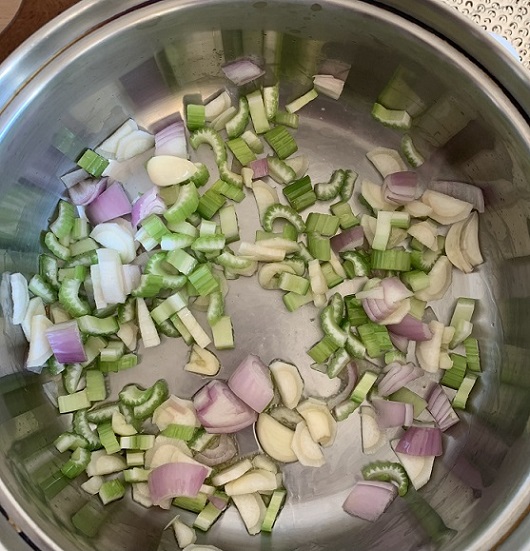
(8,9)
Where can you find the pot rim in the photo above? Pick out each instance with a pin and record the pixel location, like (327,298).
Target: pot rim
(33,56)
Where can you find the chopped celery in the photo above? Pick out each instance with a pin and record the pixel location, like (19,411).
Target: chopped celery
(42,288)
(241,150)
(195,117)
(203,280)
(180,432)
(338,362)
(359,262)
(300,102)
(280,171)
(346,190)
(93,163)
(108,438)
(294,283)
(325,224)
(213,139)
(95,385)
(281,142)
(209,243)
(416,280)
(376,339)
(293,301)
(210,203)
(322,350)
(98,326)
(73,402)
(453,377)
(472,354)
(464,390)
(62,225)
(300,194)
(387,472)
(77,463)
(363,387)
(229,224)
(185,205)
(235,126)
(194,504)
(253,141)
(201,176)
(223,333)
(394,259)
(207,517)
(101,413)
(56,247)
(138,441)
(111,490)
(394,118)
(330,190)
(276,211)
(355,311)
(257,111)
(229,190)
(331,328)
(275,504)
(409,397)
(345,215)
(287,119)
(159,393)
(319,246)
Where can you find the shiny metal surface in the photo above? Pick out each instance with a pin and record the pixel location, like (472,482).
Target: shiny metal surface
(141,64)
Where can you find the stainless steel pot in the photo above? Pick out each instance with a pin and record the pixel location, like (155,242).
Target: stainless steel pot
(103,61)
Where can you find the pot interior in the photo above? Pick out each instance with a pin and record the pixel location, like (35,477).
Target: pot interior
(146,65)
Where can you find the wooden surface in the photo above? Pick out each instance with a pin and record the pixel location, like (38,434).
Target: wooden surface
(21,18)
(8,9)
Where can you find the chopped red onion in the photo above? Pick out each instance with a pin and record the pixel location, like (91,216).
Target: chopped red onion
(218,502)
(348,240)
(377,309)
(242,71)
(171,140)
(440,408)
(113,202)
(395,291)
(260,168)
(412,328)
(393,414)
(66,343)
(252,383)
(400,342)
(220,411)
(422,441)
(147,204)
(369,499)
(460,190)
(83,193)
(400,187)
(223,451)
(176,479)
(396,377)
